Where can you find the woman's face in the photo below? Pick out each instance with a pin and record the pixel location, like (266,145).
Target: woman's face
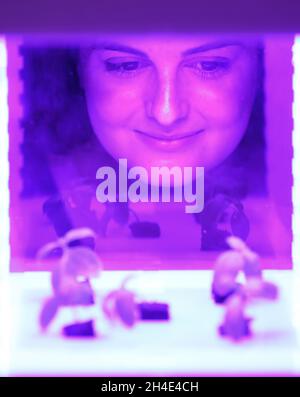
(162,100)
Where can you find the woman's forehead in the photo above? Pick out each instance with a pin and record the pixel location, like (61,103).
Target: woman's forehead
(183,43)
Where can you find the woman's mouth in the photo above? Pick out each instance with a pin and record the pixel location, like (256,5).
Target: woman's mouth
(168,138)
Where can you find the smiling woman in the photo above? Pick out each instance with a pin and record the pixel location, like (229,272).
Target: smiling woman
(179,101)
(172,101)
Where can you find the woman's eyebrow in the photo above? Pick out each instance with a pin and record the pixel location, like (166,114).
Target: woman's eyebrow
(211,46)
(122,48)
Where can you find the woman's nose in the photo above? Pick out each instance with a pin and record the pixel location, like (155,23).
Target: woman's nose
(166,104)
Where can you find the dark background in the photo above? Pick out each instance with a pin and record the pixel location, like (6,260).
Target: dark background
(32,16)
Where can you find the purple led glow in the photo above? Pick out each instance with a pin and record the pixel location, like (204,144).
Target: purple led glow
(296,191)
(296,149)
(5,311)
(156,286)
(4,169)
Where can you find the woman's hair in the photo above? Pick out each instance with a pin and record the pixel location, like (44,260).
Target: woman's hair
(56,123)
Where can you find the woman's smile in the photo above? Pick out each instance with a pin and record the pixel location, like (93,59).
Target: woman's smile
(168,142)
(169,137)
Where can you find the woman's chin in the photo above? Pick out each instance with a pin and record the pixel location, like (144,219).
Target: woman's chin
(150,162)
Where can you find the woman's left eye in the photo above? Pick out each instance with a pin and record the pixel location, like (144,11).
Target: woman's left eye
(209,69)
(125,68)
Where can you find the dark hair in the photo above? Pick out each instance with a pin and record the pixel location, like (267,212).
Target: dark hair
(56,122)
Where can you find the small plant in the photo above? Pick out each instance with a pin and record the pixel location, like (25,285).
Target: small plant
(71,274)
(236,296)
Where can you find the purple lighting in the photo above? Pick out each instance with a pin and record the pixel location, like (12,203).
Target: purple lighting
(5,314)
(98,138)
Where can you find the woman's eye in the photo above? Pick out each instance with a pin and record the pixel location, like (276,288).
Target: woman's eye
(210,66)
(125,68)
(209,69)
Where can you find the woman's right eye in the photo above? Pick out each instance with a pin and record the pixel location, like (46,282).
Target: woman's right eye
(125,68)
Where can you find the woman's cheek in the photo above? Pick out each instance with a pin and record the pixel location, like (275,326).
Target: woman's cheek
(220,106)
(116,107)
(229,98)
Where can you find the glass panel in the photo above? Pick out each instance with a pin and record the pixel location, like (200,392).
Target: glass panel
(161,145)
